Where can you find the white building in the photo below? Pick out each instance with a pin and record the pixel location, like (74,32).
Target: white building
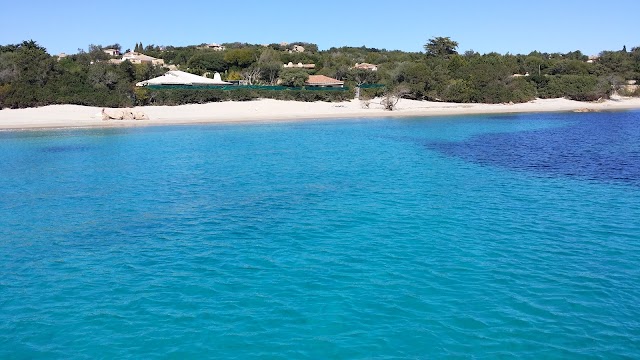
(177,77)
(365,66)
(137,58)
(299,65)
(215,47)
(111,52)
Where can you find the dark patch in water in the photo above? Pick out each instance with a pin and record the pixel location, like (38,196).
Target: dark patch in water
(504,117)
(65,148)
(603,147)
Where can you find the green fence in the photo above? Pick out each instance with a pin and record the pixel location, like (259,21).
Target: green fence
(371,86)
(240,87)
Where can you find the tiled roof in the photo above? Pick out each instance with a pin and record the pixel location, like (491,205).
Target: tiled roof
(323,80)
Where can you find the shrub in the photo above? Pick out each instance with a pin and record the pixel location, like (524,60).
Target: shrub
(576,87)
(201,96)
(457,91)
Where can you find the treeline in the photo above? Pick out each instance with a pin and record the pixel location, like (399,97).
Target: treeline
(29,76)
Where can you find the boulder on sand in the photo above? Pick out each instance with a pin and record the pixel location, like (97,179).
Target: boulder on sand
(126,114)
(140,116)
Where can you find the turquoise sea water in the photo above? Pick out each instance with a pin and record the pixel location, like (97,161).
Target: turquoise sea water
(484,237)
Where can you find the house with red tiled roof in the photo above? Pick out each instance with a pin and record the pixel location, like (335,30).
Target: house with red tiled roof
(323,81)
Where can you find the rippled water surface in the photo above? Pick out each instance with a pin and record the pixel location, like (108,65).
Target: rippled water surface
(507,236)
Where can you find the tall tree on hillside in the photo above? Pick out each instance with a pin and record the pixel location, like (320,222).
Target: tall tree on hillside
(207,61)
(441,47)
(114,46)
(270,65)
(240,58)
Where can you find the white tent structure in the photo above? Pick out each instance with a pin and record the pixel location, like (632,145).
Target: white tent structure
(177,77)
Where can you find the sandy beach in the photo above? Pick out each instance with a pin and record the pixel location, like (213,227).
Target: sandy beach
(266,110)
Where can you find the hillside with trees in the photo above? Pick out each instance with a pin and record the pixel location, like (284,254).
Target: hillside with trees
(30,76)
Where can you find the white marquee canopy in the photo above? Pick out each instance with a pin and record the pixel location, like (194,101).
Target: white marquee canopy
(177,77)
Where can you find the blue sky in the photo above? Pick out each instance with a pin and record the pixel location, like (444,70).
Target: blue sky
(484,26)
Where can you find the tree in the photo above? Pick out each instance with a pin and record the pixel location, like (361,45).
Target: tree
(234,75)
(33,63)
(25,69)
(114,46)
(251,74)
(361,77)
(441,47)
(8,67)
(269,72)
(102,76)
(277,47)
(95,53)
(128,70)
(207,61)
(293,77)
(139,48)
(240,57)
(392,96)
(269,55)
(270,65)
(471,53)
(422,79)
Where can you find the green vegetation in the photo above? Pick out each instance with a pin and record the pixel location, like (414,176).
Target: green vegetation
(202,96)
(441,47)
(29,76)
(293,77)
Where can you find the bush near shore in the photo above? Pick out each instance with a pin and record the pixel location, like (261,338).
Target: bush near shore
(30,77)
(201,96)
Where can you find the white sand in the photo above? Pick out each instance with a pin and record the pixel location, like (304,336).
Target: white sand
(59,116)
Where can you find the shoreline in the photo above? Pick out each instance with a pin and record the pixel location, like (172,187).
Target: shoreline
(272,111)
